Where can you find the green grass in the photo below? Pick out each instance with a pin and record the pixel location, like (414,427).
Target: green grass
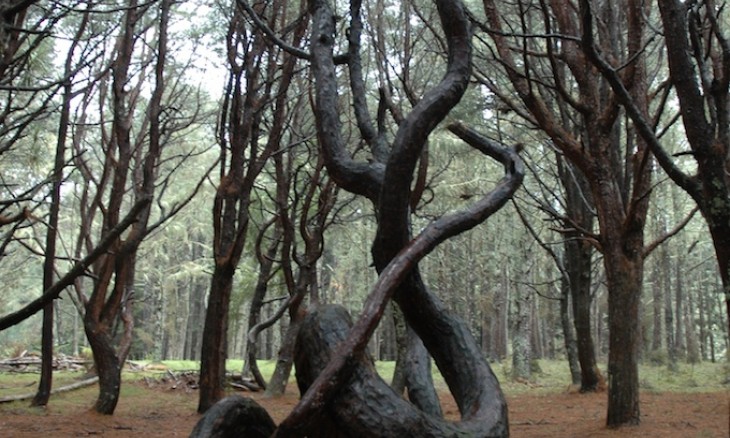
(12,384)
(553,377)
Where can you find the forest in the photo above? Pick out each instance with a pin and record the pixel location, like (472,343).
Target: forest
(446,184)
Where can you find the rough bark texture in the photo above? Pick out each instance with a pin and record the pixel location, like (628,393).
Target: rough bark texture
(687,31)
(215,345)
(624,342)
(234,417)
(366,406)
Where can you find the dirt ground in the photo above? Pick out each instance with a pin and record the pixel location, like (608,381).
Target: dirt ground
(157,411)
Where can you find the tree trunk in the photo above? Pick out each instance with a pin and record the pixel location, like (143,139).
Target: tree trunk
(266,262)
(701,321)
(578,256)
(359,407)
(214,351)
(693,350)
(107,367)
(418,377)
(521,333)
(285,360)
(566,322)
(657,301)
(197,318)
(398,382)
(624,276)
(49,262)
(577,262)
(45,384)
(680,346)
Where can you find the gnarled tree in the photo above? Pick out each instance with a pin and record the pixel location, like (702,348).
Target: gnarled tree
(338,384)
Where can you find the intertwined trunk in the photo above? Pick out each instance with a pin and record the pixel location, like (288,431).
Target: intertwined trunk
(342,395)
(387,184)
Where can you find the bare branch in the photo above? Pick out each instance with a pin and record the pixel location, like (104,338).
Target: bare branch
(79,269)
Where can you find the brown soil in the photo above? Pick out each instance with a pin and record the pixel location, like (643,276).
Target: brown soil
(158,411)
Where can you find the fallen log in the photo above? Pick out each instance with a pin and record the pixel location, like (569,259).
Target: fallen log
(77,385)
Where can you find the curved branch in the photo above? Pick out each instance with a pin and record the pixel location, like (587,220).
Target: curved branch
(79,268)
(270,34)
(661,239)
(357,84)
(357,177)
(341,364)
(413,133)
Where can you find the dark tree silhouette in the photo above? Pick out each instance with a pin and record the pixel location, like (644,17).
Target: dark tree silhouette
(338,384)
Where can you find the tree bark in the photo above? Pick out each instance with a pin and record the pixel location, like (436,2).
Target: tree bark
(214,349)
(285,360)
(680,346)
(625,276)
(232,417)
(418,377)
(49,262)
(521,333)
(266,263)
(566,322)
(448,339)
(364,397)
(579,254)
(578,263)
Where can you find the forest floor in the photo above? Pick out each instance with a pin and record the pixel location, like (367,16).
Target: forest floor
(160,411)
(163,407)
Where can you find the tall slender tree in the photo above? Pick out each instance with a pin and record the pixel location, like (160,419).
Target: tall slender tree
(552,73)
(697,56)
(49,262)
(257,73)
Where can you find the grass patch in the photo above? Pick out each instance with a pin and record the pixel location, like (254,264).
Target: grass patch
(12,384)
(554,376)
